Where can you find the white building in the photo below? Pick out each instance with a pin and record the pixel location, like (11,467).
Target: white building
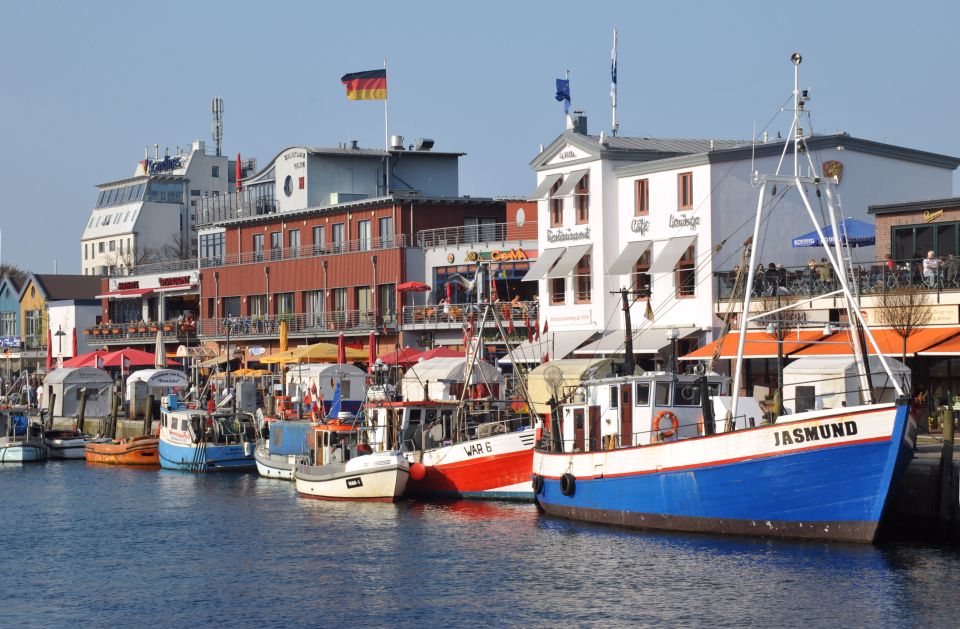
(150,217)
(662,216)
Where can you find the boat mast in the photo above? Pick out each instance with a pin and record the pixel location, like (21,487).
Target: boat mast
(834,257)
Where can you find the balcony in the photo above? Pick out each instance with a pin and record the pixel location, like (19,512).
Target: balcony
(465,235)
(309,251)
(140,333)
(231,206)
(153,268)
(330,324)
(432,317)
(873,278)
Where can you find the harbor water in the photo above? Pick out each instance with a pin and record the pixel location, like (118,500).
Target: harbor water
(88,546)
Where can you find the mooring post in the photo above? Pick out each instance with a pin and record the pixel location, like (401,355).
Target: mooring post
(148,416)
(82,409)
(947,495)
(114,411)
(53,399)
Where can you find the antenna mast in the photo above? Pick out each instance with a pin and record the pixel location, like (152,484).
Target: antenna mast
(216,128)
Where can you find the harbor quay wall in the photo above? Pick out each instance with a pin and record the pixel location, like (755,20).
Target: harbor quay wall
(97,426)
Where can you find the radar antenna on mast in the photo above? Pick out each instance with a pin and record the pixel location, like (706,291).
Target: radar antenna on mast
(216,127)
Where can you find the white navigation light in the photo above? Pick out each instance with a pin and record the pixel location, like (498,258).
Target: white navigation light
(796,58)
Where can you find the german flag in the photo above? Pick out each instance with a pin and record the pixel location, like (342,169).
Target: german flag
(369,85)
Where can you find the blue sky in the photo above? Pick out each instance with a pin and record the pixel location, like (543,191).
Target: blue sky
(87,85)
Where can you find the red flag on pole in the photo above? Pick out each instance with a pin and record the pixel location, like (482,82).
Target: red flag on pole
(49,350)
(510,328)
(493,289)
(239,174)
(526,322)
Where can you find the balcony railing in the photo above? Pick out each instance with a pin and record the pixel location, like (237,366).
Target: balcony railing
(308,251)
(139,332)
(456,315)
(230,206)
(464,235)
(151,268)
(309,324)
(872,278)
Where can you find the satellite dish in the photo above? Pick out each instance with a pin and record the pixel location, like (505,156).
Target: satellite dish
(257,351)
(553,376)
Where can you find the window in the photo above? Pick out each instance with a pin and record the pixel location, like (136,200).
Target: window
(662,393)
(685,191)
(8,324)
(194,193)
(614,396)
(558,289)
(276,245)
(258,305)
(687,394)
(556,205)
(641,276)
(912,242)
(258,247)
(214,171)
(581,199)
(211,247)
(686,273)
(100,247)
(641,197)
(112,246)
(642,397)
(318,239)
(231,307)
(293,241)
(363,234)
(302,183)
(480,228)
(364,302)
(288,185)
(313,305)
(285,303)
(386,299)
(337,235)
(386,231)
(582,279)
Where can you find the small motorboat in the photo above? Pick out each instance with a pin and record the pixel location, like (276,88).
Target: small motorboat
(194,440)
(69,444)
(343,466)
(279,450)
(134,451)
(20,441)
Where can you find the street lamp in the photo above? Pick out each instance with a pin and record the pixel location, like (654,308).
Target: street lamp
(672,335)
(230,321)
(59,334)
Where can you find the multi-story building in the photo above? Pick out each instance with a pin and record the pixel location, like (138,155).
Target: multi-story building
(151,217)
(54,308)
(661,217)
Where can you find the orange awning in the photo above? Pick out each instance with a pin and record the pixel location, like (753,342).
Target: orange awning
(757,345)
(950,347)
(889,341)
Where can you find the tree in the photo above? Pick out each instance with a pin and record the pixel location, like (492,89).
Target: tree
(905,311)
(12,270)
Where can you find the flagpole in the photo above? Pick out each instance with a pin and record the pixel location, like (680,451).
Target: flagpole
(386,139)
(613,83)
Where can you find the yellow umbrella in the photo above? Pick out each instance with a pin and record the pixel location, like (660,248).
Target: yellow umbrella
(288,356)
(327,353)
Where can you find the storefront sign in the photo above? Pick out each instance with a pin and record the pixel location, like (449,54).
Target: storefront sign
(127,285)
(9,342)
(640,226)
(571,318)
(180,280)
(684,221)
(833,168)
(939,315)
(567,234)
(930,216)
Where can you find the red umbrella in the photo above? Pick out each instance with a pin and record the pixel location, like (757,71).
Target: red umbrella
(372,341)
(403,357)
(74,352)
(135,358)
(85,360)
(49,351)
(413,287)
(440,352)
(341,350)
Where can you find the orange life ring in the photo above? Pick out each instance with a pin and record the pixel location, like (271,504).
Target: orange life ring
(700,425)
(665,434)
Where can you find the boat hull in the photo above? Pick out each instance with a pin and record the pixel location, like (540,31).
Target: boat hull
(831,483)
(136,451)
(206,457)
(21,452)
(493,468)
(379,477)
(274,465)
(70,448)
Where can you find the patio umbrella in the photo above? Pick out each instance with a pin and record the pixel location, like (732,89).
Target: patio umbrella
(49,351)
(74,352)
(852,232)
(283,336)
(413,287)
(289,356)
(85,360)
(440,352)
(160,352)
(403,357)
(341,349)
(372,348)
(134,358)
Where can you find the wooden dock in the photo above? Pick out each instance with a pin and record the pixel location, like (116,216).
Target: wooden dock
(927,499)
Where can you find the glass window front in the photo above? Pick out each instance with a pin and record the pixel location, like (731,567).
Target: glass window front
(363,235)
(662,393)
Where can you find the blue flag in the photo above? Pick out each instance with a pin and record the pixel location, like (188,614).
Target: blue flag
(563,94)
(335,404)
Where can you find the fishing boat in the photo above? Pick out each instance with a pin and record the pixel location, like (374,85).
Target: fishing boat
(662,450)
(20,441)
(69,444)
(343,465)
(141,450)
(194,440)
(284,443)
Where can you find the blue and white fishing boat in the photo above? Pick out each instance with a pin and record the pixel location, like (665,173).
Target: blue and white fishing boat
(197,441)
(278,451)
(645,450)
(20,441)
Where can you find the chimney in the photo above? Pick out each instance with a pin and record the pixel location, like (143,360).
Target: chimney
(579,122)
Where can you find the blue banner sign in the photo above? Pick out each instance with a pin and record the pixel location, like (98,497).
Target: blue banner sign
(9,342)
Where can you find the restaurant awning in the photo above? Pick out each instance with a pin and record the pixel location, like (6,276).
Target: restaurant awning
(950,347)
(569,260)
(129,293)
(545,186)
(183,288)
(628,257)
(891,343)
(570,182)
(645,341)
(543,263)
(667,259)
(554,345)
(757,345)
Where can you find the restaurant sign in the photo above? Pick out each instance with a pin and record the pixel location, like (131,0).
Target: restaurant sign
(567,234)
(497,255)
(9,342)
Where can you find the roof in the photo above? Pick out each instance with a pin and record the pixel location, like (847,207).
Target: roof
(16,281)
(68,287)
(915,206)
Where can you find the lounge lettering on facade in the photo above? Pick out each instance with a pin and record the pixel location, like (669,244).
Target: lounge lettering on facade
(814,433)
(566,235)
(684,221)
